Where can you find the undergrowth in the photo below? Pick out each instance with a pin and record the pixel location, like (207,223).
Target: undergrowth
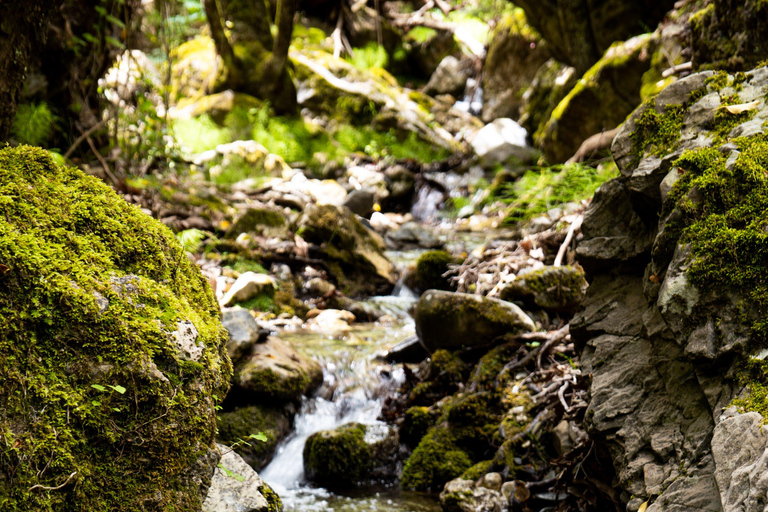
(539,190)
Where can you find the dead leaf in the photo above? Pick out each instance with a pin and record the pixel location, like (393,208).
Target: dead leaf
(4,269)
(642,507)
(744,107)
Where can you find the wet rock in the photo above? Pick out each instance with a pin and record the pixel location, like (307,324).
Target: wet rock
(248,286)
(215,105)
(243,331)
(554,289)
(275,371)
(236,427)
(500,141)
(413,234)
(410,350)
(236,487)
(450,77)
(352,454)
(354,255)
(462,496)
(515,54)
(331,321)
(455,320)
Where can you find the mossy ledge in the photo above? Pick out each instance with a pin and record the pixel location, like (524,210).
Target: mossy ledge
(102,409)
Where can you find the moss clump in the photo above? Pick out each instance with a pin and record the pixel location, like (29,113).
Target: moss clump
(435,461)
(234,428)
(446,371)
(257,220)
(430,268)
(656,133)
(274,503)
(338,456)
(726,121)
(717,81)
(416,423)
(478,470)
(94,384)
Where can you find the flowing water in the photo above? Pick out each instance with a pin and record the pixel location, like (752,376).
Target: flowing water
(355,386)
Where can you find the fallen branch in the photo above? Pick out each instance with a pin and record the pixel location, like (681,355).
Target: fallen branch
(84,136)
(576,224)
(46,488)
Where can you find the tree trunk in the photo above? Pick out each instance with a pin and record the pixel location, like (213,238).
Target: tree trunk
(254,62)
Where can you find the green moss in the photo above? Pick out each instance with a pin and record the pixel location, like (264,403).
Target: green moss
(275,504)
(725,121)
(89,292)
(430,268)
(658,134)
(717,81)
(416,423)
(478,470)
(435,461)
(338,456)
(262,302)
(234,428)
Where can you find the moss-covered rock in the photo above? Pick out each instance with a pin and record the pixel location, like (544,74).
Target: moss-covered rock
(260,221)
(435,461)
(416,423)
(515,54)
(353,254)
(552,82)
(443,375)
(555,289)
(607,93)
(236,426)
(111,349)
(430,268)
(276,372)
(454,320)
(352,454)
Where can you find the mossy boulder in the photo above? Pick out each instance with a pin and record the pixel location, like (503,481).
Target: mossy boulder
(555,289)
(455,320)
(237,425)
(442,375)
(552,82)
(275,372)
(607,93)
(352,454)
(260,222)
(515,54)
(353,254)
(430,268)
(435,461)
(111,349)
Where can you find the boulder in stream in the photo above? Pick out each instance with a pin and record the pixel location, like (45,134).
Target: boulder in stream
(555,289)
(455,320)
(111,351)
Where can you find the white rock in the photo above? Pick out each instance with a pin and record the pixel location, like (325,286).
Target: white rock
(331,321)
(185,339)
(238,489)
(500,140)
(247,286)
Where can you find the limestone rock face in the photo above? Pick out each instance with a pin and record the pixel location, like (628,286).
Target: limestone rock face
(668,343)
(107,327)
(453,320)
(236,487)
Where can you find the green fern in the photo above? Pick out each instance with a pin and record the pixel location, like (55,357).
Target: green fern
(34,124)
(191,239)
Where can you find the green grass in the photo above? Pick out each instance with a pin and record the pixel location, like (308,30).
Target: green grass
(370,56)
(539,190)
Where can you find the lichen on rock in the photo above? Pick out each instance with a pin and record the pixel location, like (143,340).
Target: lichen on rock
(99,400)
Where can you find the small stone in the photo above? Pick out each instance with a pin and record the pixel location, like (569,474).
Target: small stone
(492,481)
(248,286)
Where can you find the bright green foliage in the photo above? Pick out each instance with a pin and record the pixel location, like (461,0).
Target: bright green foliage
(34,124)
(91,290)
(540,190)
(370,56)
(200,134)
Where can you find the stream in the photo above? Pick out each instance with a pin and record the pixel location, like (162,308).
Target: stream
(356,383)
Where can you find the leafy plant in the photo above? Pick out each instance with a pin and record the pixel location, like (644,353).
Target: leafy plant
(191,239)
(370,56)
(34,124)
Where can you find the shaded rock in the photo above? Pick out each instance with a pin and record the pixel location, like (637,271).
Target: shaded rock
(450,77)
(360,202)
(401,184)
(579,32)
(455,320)
(248,286)
(515,54)
(235,428)
(236,487)
(410,350)
(243,331)
(462,496)
(551,84)
(275,371)
(352,454)
(261,222)
(500,141)
(550,288)
(430,268)
(353,254)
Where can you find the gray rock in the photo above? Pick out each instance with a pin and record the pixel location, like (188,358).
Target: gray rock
(454,320)
(410,350)
(414,234)
(554,289)
(236,487)
(450,77)
(360,202)
(462,496)
(243,331)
